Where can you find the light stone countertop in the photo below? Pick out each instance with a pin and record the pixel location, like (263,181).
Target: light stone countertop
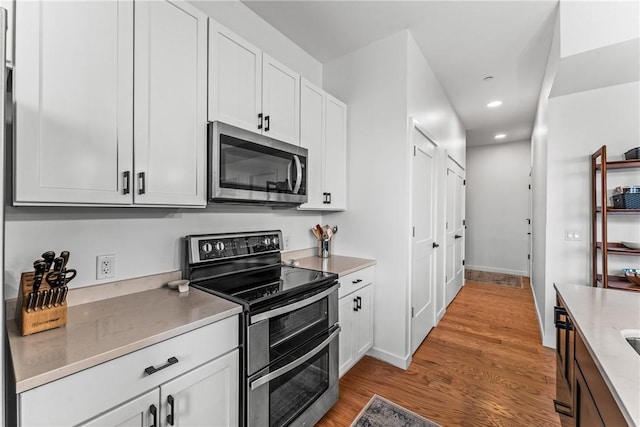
(103,330)
(341,265)
(600,315)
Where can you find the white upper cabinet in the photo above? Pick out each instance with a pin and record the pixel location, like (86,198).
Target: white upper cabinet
(312,138)
(170,106)
(73,88)
(335,153)
(323,131)
(250,90)
(280,101)
(235,79)
(75,136)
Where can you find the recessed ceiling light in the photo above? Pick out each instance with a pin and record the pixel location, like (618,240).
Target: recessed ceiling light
(500,135)
(488,78)
(494,104)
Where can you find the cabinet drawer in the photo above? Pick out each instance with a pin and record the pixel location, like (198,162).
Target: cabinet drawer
(353,281)
(80,396)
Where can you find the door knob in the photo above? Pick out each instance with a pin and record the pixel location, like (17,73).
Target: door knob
(435,245)
(457,236)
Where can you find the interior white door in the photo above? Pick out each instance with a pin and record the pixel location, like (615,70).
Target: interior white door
(423,245)
(454,269)
(280,101)
(170,103)
(205,396)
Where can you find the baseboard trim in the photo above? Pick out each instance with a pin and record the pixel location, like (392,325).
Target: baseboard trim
(546,341)
(392,359)
(497,270)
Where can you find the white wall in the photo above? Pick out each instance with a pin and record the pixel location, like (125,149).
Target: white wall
(372,81)
(579,124)
(497,200)
(383,84)
(244,22)
(567,129)
(589,25)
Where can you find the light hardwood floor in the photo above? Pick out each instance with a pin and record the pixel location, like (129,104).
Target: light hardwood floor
(483,365)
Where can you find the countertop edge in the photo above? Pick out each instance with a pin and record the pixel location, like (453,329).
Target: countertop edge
(339,264)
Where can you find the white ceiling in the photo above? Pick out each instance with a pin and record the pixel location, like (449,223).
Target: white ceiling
(463,41)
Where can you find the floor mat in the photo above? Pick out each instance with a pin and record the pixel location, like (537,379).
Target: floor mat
(497,278)
(381,412)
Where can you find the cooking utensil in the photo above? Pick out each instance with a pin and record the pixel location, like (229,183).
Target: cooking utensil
(335,229)
(48,258)
(320,230)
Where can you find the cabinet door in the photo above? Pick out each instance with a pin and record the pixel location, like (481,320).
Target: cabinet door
(73,90)
(363,334)
(143,411)
(206,396)
(346,316)
(280,101)
(170,103)
(335,153)
(235,79)
(585,409)
(312,138)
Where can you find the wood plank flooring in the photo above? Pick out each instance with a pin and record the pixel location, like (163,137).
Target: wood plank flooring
(483,365)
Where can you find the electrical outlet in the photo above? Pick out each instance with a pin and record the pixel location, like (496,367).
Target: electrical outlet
(287,242)
(105,266)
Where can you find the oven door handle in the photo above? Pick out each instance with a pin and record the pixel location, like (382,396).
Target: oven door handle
(291,307)
(281,371)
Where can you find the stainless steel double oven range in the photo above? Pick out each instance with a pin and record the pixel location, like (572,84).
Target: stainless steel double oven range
(289,331)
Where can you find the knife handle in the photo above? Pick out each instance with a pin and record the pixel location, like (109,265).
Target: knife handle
(65,258)
(48,259)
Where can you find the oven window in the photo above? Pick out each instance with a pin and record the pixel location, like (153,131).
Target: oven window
(248,166)
(292,393)
(293,329)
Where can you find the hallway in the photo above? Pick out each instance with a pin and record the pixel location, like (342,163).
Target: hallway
(483,365)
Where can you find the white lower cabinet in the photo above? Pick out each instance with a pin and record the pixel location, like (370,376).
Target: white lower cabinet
(355,314)
(208,395)
(188,380)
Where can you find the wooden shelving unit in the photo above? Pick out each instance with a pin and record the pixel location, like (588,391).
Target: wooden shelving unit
(599,169)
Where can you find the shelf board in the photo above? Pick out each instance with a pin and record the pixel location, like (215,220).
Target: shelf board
(614,211)
(619,282)
(618,248)
(621,164)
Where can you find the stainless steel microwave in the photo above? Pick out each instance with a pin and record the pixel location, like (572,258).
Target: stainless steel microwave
(246,167)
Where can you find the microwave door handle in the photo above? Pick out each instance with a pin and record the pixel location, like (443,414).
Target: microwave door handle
(281,371)
(289,176)
(298,174)
(291,307)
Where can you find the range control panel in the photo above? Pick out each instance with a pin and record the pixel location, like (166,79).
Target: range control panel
(222,246)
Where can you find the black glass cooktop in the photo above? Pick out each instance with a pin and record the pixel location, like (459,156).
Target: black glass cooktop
(267,285)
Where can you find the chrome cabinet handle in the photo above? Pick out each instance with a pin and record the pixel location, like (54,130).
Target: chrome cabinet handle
(281,371)
(291,307)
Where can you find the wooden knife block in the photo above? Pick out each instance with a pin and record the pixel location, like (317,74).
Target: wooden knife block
(41,319)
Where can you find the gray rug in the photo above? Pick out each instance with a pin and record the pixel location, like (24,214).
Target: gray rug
(381,412)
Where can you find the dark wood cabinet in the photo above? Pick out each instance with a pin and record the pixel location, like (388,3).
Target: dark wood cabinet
(583,399)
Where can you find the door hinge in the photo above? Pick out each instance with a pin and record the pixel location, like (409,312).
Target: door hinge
(464,182)
(414,151)
(412,313)
(414,231)
(528,256)
(464,222)
(447,225)
(445,279)
(462,262)
(529,186)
